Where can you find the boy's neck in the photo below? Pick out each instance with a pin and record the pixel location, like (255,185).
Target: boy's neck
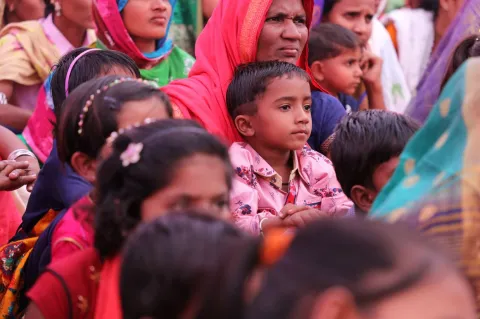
(279,160)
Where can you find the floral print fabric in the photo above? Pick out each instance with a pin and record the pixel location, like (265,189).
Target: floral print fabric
(257,189)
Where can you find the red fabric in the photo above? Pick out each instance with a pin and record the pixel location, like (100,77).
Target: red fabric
(10,217)
(79,274)
(229,39)
(74,232)
(108,301)
(38,132)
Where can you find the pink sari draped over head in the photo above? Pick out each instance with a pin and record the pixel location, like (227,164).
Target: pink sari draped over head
(229,39)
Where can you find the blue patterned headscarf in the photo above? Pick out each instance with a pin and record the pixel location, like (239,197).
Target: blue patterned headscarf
(121,4)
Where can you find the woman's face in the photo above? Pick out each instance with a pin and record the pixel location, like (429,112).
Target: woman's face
(147,19)
(199,183)
(355,15)
(28,9)
(79,12)
(284,33)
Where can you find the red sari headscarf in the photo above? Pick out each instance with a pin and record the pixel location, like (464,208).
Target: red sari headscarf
(229,39)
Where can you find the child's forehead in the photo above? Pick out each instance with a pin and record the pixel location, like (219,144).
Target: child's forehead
(290,85)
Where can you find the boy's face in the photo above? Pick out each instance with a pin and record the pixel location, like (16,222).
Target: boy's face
(283,120)
(355,15)
(384,172)
(341,74)
(364,196)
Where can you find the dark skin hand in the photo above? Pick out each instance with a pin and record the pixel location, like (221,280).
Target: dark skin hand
(14,175)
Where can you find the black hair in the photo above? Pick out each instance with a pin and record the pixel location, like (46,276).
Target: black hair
(430,5)
(251,80)
(101,118)
(121,190)
(371,260)
(49,7)
(468,48)
(364,140)
(328,6)
(90,66)
(189,269)
(328,40)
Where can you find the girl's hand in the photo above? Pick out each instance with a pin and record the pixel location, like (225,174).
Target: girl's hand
(14,175)
(32,170)
(303,218)
(372,68)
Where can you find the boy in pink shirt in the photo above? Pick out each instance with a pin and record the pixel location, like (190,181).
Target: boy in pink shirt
(279,181)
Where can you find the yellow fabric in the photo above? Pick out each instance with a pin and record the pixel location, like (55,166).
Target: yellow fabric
(26,55)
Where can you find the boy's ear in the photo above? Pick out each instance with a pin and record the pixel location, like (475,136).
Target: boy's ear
(317,71)
(362,197)
(244,126)
(84,166)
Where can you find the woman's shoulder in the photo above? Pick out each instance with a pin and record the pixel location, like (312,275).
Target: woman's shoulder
(12,29)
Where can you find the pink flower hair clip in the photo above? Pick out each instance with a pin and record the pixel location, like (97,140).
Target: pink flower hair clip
(132,154)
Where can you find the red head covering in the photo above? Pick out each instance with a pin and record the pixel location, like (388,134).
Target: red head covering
(229,39)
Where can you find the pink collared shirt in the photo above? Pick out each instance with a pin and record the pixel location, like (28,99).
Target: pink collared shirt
(257,189)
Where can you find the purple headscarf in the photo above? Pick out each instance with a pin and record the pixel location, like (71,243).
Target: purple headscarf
(465,24)
(317,12)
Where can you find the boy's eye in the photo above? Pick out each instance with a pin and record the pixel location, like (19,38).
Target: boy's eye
(222,203)
(307,107)
(285,107)
(352,14)
(369,18)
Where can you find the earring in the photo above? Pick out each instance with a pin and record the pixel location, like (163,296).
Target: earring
(58,9)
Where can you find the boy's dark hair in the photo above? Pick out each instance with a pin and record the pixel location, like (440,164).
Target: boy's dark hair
(251,80)
(101,118)
(121,190)
(468,48)
(189,267)
(329,40)
(364,140)
(92,65)
(371,260)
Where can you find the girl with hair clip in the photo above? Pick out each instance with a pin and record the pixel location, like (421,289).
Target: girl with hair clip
(92,112)
(58,184)
(351,269)
(148,170)
(30,49)
(140,29)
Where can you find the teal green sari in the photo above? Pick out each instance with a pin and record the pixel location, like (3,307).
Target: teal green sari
(444,148)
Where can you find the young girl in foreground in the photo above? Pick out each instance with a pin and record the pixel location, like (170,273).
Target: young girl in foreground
(148,171)
(352,269)
(279,180)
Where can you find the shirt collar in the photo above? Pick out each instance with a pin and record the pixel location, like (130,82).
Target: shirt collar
(263,169)
(57,37)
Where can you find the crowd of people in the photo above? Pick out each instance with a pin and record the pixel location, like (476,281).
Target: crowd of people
(239,159)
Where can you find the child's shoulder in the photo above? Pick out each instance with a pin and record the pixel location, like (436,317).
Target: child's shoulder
(309,155)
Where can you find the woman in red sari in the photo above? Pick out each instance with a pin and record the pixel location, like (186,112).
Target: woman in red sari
(239,32)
